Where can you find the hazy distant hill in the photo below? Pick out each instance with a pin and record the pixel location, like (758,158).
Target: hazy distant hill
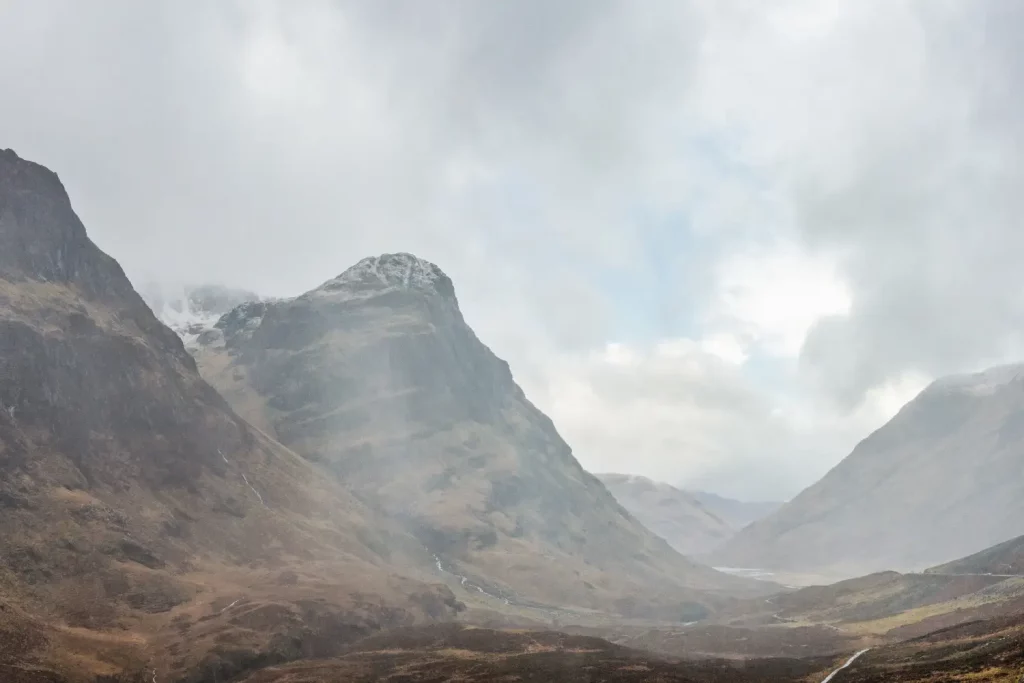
(1005,558)
(942,479)
(736,513)
(675,515)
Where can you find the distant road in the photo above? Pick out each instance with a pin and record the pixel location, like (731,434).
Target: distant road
(849,661)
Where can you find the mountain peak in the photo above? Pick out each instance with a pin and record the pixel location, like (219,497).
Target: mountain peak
(401,271)
(979,383)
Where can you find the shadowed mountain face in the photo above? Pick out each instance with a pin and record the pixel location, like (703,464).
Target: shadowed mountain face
(675,515)
(941,480)
(134,500)
(376,377)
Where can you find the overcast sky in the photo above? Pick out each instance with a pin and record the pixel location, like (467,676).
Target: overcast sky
(718,242)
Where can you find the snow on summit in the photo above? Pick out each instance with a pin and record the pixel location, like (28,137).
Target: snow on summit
(388,271)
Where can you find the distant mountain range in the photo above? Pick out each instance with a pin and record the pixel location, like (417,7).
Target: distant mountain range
(675,515)
(692,522)
(736,513)
(942,479)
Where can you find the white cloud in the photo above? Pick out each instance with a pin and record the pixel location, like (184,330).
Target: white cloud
(773,296)
(678,413)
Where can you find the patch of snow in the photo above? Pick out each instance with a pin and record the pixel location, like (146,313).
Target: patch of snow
(192,312)
(392,271)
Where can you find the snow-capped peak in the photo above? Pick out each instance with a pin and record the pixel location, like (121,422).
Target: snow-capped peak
(387,271)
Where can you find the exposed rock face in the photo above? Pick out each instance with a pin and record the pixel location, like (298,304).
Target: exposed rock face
(375,376)
(942,479)
(675,515)
(132,495)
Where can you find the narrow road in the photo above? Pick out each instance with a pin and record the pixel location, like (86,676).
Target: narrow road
(849,661)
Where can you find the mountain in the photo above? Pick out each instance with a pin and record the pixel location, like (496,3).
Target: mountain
(675,515)
(941,480)
(376,377)
(145,528)
(736,513)
(1001,560)
(191,309)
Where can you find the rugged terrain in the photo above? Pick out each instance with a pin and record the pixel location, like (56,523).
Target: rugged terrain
(941,480)
(376,377)
(675,515)
(144,525)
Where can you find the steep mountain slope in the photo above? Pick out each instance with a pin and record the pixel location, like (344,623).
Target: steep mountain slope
(1003,559)
(942,479)
(674,515)
(143,524)
(376,376)
(736,513)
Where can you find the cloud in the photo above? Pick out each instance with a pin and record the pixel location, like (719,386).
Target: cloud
(766,205)
(893,130)
(774,296)
(679,413)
